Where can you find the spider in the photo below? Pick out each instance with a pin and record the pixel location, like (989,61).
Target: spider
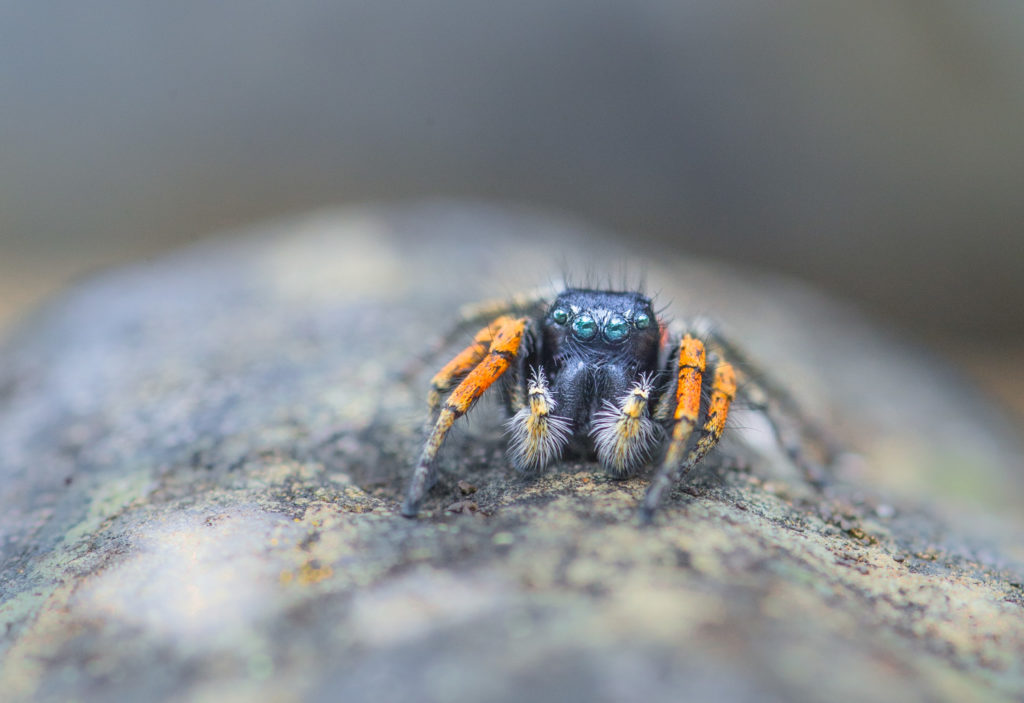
(596,374)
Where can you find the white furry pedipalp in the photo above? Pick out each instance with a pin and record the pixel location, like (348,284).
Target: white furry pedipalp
(536,436)
(624,434)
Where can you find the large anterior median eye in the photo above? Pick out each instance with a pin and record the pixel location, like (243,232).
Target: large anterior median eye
(616,328)
(584,327)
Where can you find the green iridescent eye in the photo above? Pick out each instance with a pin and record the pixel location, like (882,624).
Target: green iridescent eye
(584,327)
(642,321)
(616,329)
(560,315)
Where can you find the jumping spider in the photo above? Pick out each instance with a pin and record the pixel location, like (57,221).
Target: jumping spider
(597,374)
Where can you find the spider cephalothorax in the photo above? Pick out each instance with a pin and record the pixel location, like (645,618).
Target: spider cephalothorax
(596,350)
(593,374)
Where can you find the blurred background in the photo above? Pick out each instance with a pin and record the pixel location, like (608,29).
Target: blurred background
(873,150)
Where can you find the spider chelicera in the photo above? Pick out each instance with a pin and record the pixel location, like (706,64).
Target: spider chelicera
(596,374)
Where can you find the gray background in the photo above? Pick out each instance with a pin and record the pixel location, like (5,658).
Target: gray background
(875,150)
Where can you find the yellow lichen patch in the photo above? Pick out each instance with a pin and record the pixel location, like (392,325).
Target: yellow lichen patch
(355,493)
(276,473)
(312,572)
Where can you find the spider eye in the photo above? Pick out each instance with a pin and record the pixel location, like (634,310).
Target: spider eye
(642,321)
(584,327)
(560,315)
(616,329)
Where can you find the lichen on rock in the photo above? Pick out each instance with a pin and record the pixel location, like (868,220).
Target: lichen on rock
(202,456)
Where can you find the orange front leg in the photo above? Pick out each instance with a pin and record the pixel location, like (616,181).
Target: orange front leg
(464,362)
(503,349)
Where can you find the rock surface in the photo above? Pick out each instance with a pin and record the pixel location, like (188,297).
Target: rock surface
(201,458)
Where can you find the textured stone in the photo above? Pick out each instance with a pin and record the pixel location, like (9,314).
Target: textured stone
(202,455)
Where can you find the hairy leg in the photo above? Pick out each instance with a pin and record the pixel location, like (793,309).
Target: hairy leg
(674,467)
(502,352)
(475,314)
(808,445)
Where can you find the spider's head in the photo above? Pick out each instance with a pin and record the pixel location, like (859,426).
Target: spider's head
(594,322)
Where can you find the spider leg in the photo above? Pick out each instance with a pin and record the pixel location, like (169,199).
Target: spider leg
(503,349)
(684,405)
(525,302)
(691,365)
(794,431)
(473,315)
(463,362)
